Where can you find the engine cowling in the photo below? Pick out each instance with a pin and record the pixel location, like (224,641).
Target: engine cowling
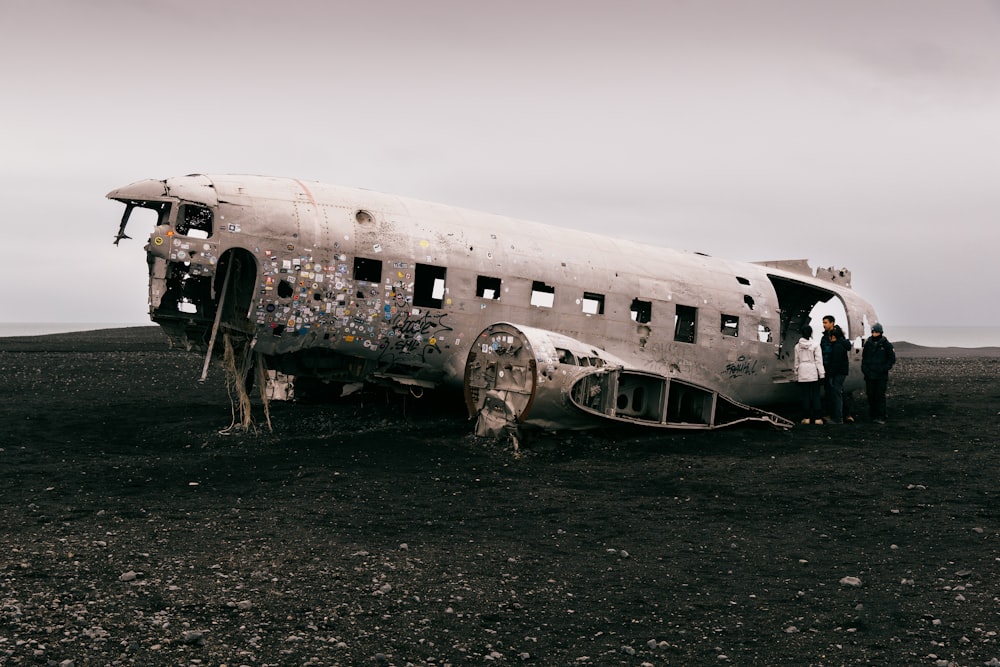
(519,375)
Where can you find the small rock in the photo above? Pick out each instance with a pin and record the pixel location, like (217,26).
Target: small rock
(850,581)
(195,637)
(128,576)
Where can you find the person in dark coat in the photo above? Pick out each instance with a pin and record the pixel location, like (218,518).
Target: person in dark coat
(877,359)
(836,360)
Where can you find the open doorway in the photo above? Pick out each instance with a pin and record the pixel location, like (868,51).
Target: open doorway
(801,304)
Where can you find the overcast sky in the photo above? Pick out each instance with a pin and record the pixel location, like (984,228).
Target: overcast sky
(861,133)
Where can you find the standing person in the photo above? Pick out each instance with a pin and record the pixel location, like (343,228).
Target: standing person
(824,346)
(809,372)
(877,359)
(837,364)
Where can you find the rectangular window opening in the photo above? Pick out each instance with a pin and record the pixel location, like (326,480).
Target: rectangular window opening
(593,304)
(428,285)
(488,288)
(730,326)
(194,221)
(764,334)
(642,311)
(368,270)
(542,295)
(685,322)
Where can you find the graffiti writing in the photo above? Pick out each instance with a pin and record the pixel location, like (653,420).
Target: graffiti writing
(742,367)
(410,334)
(407,325)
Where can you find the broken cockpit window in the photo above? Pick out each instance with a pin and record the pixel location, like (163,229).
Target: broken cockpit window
(194,221)
(157,211)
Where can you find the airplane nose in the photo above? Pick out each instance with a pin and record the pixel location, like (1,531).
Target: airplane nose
(149,188)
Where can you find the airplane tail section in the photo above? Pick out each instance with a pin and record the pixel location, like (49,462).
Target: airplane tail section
(522,376)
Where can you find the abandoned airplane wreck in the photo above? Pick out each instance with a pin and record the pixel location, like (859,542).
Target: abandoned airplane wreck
(537,326)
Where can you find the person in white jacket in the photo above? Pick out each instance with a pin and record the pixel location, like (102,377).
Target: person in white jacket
(809,373)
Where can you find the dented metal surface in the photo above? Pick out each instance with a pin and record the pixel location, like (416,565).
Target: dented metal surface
(343,286)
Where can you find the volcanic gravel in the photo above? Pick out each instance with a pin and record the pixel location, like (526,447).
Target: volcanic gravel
(135,529)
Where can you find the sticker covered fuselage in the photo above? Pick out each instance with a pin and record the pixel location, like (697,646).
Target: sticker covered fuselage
(350,285)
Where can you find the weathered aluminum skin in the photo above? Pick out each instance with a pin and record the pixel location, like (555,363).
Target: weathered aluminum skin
(311,310)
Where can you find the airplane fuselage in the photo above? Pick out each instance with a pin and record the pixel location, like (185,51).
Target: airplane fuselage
(348,285)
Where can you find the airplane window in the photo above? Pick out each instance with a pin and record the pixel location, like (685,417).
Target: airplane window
(428,285)
(684,324)
(730,325)
(488,288)
(368,270)
(593,304)
(566,357)
(642,311)
(542,295)
(364,217)
(195,221)
(764,333)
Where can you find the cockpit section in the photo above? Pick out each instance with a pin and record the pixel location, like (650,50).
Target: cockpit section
(187,272)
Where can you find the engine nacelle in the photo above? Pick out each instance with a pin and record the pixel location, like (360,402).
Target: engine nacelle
(517,375)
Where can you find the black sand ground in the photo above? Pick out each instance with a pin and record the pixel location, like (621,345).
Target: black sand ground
(381,532)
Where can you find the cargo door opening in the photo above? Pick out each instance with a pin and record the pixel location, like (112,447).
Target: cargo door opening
(801,304)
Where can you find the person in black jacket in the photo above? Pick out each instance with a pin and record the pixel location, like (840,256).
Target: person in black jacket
(877,359)
(836,360)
